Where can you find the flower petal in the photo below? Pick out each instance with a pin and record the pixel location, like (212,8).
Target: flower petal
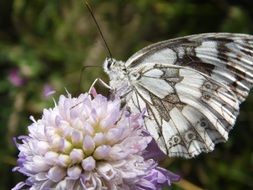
(89,163)
(56,173)
(74,172)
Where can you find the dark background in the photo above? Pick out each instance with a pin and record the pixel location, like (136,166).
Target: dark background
(48,43)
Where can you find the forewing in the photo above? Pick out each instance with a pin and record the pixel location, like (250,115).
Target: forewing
(192,88)
(226,58)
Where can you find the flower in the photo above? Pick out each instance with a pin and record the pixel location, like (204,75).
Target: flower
(156,179)
(88,143)
(15,78)
(48,90)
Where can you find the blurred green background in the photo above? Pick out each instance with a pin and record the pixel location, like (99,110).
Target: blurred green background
(45,44)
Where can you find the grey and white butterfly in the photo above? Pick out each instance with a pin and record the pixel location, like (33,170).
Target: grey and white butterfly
(191,87)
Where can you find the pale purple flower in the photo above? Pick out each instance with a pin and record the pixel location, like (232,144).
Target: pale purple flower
(15,78)
(88,143)
(48,90)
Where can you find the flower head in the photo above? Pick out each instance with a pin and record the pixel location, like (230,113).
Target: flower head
(88,143)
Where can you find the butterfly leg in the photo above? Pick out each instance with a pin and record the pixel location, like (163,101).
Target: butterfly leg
(92,90)
(98,80)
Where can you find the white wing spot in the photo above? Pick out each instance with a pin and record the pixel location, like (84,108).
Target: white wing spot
(165,56)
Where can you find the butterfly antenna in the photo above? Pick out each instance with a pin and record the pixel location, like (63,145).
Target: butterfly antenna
(98,27)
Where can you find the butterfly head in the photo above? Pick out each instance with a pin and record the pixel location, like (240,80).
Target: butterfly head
(117,73)
(112,66)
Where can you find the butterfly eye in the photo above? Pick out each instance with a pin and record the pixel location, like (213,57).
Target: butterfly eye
(109,62)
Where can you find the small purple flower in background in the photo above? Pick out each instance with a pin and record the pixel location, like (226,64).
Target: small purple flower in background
(15,77)
(89,143)
(48,90)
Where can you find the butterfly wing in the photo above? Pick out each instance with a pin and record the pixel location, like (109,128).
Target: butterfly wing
(191,88)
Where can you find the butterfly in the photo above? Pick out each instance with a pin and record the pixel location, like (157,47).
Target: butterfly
(191,88)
